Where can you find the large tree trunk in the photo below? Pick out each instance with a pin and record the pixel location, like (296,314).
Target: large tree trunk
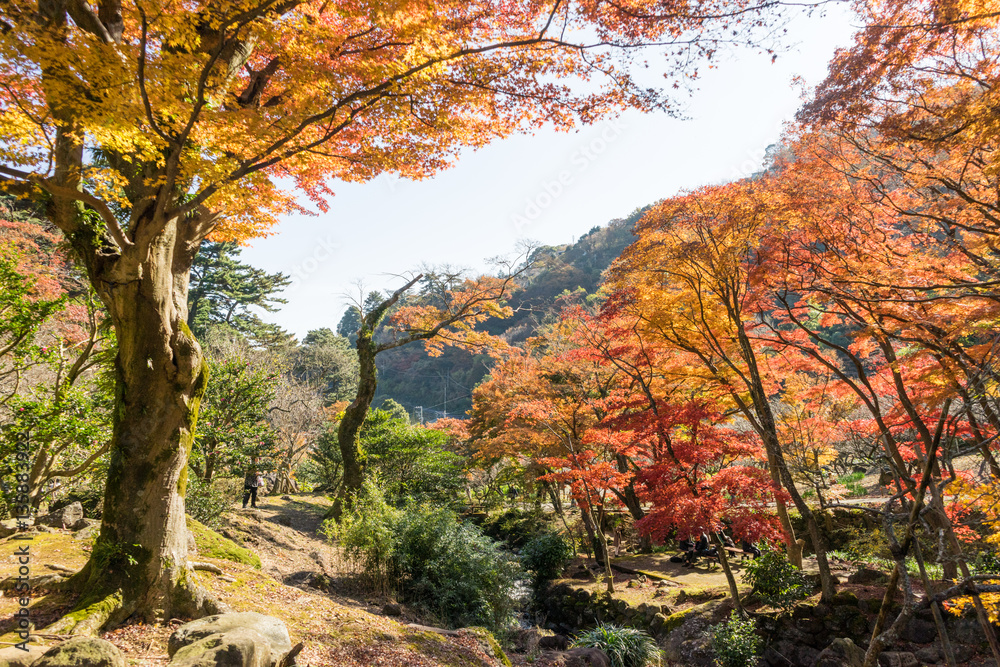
(139,562)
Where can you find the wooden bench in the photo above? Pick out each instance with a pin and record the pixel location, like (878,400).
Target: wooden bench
(733,551)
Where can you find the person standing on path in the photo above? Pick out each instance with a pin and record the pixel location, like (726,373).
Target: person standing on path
(250,485)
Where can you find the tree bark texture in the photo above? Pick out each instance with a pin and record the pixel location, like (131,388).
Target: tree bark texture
(139,562)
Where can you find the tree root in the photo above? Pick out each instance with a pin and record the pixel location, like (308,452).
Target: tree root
(91,615)
(99,611)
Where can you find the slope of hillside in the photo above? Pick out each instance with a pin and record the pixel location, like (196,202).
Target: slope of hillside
(444,384)
(335,630)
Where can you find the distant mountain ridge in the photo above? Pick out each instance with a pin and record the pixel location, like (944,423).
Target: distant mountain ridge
(443,385)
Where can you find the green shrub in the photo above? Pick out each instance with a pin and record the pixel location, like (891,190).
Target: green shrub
(868,545)
(514,526)
(545,555)
(207,502)
(735,642)
(454,571)
(626,647)
(434,561)
(776,581)
(986,562)
(367,534)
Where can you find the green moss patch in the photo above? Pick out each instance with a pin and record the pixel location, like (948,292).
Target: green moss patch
(213,545)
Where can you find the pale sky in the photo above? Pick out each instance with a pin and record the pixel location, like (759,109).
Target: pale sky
(549,188)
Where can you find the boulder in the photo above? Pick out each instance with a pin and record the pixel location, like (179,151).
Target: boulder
(841,653)
(920,631)
(929,655)
(82,652)
(237,647)
(272,629)
(65,517)
(866,575)
(86,529)
(897,659)
(689,642)
(845,598)
(586,657)
(555,642)
(392,609)
(786,653)
(16,657)
(964,629)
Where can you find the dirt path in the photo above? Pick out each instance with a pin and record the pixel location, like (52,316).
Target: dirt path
(284,533)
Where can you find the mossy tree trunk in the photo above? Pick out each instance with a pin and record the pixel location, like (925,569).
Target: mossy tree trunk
(139,562)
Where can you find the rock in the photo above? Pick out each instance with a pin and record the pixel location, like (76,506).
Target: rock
(16,657)
(810,626)
(845,598)
(786,653)
(487,643)
(803,610)
(90,528)
(66,517)
(555,643)
(929,655)
(272,629)
(964,629)
(920,632)
(586,657)
(897,659)
(687,639)
(867,575)
(963,652)
(656,624)
(286,497)
(392,609)
(82,652)
(324,563)
(8,528)
(841,653)
(236,647)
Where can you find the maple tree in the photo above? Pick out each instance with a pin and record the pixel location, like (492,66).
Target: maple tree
(693,278)
(145,129)
(538,407)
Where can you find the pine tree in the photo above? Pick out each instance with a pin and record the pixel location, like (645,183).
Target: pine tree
(224,290)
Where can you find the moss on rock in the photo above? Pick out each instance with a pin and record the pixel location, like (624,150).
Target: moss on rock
(489,640)
(213,545)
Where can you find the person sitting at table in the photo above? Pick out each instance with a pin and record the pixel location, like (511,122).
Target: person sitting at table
(700,549)
(749,549)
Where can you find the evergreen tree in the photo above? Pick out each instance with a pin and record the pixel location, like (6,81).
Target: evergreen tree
(224,291)
(351,321)
(327,362)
